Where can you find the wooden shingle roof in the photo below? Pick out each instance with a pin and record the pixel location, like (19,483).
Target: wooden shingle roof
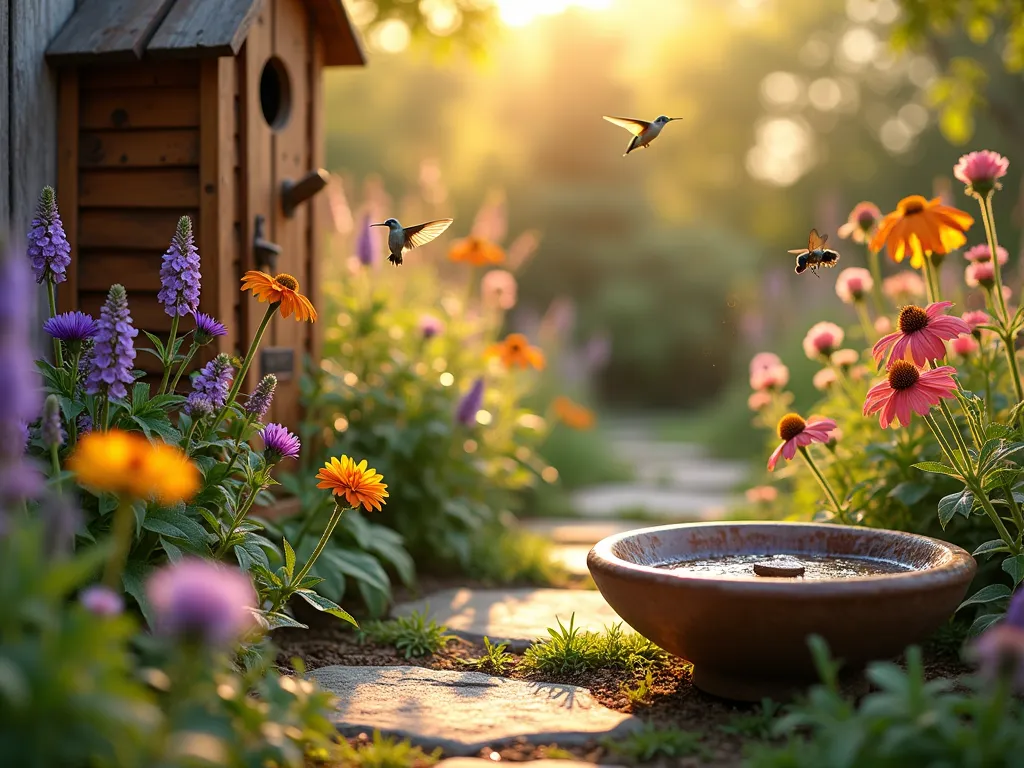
(129,30)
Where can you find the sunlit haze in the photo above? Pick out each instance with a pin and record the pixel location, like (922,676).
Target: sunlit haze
(517,13)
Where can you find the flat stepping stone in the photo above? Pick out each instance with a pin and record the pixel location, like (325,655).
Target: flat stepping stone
(572,557)
(571,530)
(465,712)
(518,617)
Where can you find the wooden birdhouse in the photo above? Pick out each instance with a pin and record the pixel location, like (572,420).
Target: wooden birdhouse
(210,108)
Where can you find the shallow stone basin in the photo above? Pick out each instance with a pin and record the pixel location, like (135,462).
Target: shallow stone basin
(746,635)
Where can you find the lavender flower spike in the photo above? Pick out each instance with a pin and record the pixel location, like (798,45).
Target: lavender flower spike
(279,443)
(48,246)
(179,273)
(214,380)
(198,406)
(465,413)
(198,600)
(50,429)
(110,365)
(366,244)
(259,401)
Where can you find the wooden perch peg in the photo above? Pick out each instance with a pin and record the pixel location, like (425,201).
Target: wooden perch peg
(294,193)
(265,253)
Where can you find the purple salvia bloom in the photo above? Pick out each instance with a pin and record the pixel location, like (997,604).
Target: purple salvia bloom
(279,443)
(366,244)
(50,429)
(208,328)
(465,413)
(101,601)
(84,424)
(200,600)
(72,328)
(198,405)
(110,365)
(214,380)
(430,326)
(259,401)
(48,247)
(179,273)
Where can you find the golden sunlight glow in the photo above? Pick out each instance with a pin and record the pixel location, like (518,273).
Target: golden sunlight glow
(519,13)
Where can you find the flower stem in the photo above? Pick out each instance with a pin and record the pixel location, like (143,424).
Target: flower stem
(946,448)
(238,442)
(988,219)
(961,443)
(121,534)
(997,521)
(930,279)
(324,537)
(169,354)
(865,321)
(244,369)
(51,295)
(55,461)
(840,512)
(184,364)
(876,276)
(236,521)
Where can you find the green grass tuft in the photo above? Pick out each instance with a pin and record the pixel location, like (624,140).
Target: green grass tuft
(754,725)
(649,741)
(570,650)
(495,659)
(642,691)
(386,752)
(413,635)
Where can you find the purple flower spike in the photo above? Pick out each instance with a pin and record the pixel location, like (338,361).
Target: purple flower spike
(207,329)
(366,244)
(84,424)
(214,380)
(110,365)
(179,274)
(50,429)
(279,443)
(465,413)
(201,601)
(259,401)
(48,246)
(1000,649)
(101,601)
(198,406)
(72,328)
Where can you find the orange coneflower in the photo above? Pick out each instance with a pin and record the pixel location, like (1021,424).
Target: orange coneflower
(921,227)
(516,350)
(476,251)
(573,415)
(281,289)
(355,482)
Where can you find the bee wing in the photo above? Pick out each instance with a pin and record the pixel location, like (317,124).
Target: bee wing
(815,241)
(636,127)
(422,234)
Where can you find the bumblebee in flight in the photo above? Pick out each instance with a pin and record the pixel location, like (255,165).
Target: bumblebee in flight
(815,256)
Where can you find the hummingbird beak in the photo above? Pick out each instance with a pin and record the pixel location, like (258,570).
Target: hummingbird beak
(674,118)
(379,225)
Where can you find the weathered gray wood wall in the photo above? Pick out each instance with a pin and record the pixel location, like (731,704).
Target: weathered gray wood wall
(28,106)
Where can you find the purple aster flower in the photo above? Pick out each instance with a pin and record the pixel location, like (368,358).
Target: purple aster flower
(214,380)
(470,403)
(1000,649)
(48,246)
(200,600)
(207,328)
(259,401)
(198,405)
(179,273)
(279,443)
(430,326)
(101,600)
(366,244)
(72,328)
(110,365)
(50,429)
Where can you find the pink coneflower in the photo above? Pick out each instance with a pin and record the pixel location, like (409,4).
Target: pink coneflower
(974,318)
(883,325)
(859,372)
(920,333)
(764,360)
(845,358)
(822,340)
(982,252)
(762,494)
(980,273)
(824,379)
(903,286)
(908,389)
(964,346)
(758,401)
(796,433)
(770,379)
(980,171)
(862,222)
(853,284)
(498,288)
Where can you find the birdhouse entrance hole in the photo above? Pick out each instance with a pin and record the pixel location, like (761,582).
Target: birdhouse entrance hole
(275,94)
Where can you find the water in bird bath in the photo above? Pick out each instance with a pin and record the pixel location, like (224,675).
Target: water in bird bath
(805,566)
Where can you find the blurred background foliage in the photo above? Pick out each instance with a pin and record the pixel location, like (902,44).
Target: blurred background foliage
(793,112)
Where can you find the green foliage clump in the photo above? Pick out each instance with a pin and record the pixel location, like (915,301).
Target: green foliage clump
(570,650)
(386,752)
(651,741)
(495,659)
(413,635)
(757,724)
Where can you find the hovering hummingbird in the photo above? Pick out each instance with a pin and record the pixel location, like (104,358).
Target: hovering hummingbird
(643,132)
(406,238)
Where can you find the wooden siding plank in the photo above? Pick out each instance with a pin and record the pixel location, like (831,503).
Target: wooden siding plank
(131,230)
(203,28)
(139,188)
(180,74)
(318,213)
(146,311)
(67,183)
(341,41)
(135,270)
(125,108)
(139,149)
(112,30)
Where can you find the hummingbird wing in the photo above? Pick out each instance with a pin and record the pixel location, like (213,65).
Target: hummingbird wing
(636,127)
(422,234)
(799,251)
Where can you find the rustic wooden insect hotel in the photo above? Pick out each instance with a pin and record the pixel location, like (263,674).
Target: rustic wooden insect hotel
(210,108)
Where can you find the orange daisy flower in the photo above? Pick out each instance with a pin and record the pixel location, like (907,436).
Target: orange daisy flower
(921,227)
(476,251)
(128,464)
(355,482)
(281,289)
(516,350)
(573,415)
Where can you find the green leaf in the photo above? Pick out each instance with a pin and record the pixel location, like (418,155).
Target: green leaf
(136,574)
(140,396)
(990,548)
(174,554)
(158,345)
(937,467)
(325,605)
(982,623)
(909,493)
(1015,567)
(172,522)
(276,620)
(956,503)
(289,559)
(988,594)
